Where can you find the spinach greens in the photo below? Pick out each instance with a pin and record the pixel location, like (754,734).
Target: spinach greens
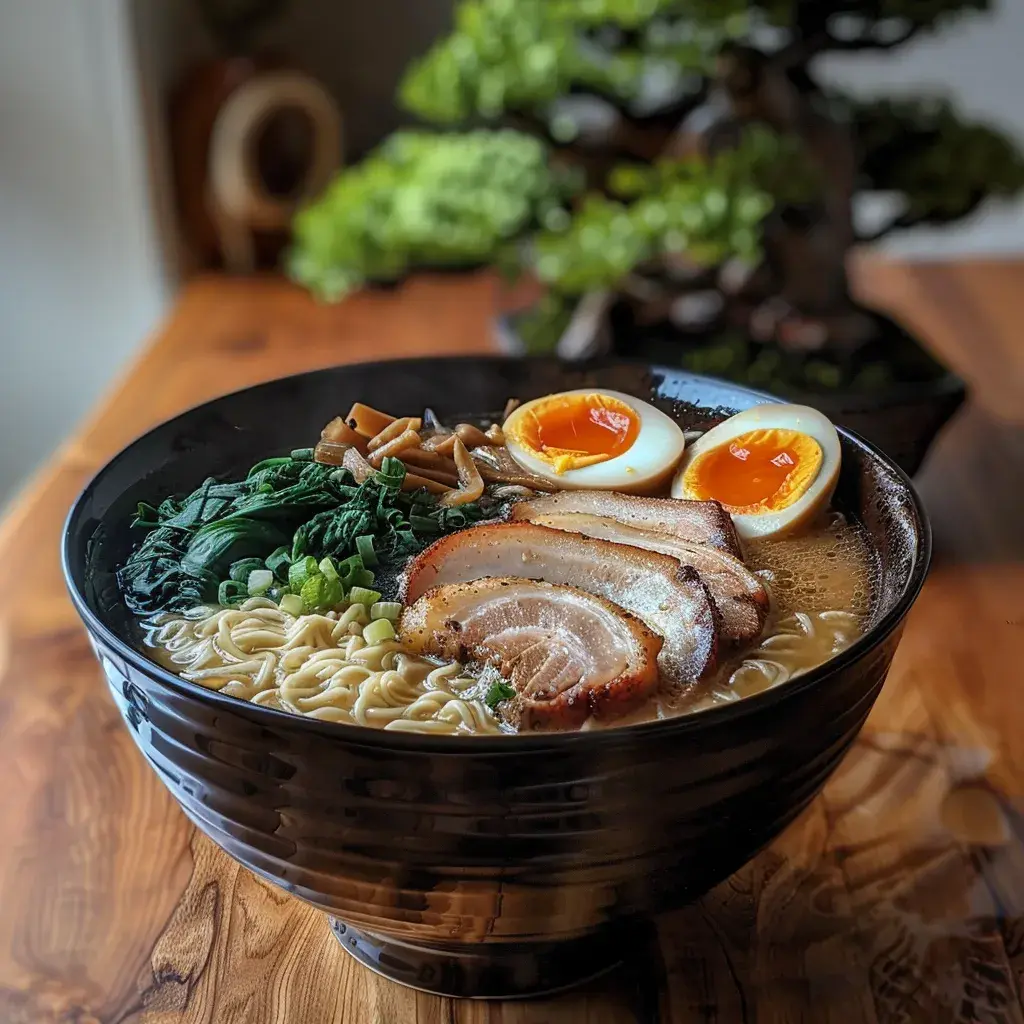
(286,510)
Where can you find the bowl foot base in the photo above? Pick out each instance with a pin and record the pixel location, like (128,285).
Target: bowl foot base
(487,970)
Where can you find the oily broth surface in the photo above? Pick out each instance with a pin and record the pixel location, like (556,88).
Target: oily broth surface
(822,585)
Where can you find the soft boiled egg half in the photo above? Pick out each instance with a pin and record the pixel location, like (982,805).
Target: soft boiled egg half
(773,467)
(604,440)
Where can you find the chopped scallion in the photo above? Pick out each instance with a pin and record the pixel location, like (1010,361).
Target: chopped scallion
(334,593)
(300,571)
(497,692)
(364,545)
(278,562)
(240,570)
(328,569)
(391,474)
(291,604)
(230,592)
(378,631)
(348,567)
(361,578)
(360,595)
(260,581)
(386,610)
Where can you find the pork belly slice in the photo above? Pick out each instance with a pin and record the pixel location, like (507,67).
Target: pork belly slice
(668,597)
(567,653)
(740,596)
(698,522)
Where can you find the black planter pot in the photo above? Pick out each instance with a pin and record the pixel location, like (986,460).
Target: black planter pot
(902,419)
(480,866)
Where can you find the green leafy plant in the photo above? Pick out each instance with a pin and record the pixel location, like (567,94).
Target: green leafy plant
(942,166)
(426,200)
(286,517)
(522,55)
(629,194)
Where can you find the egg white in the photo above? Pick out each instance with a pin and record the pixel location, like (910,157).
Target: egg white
(812,502)
(644,467)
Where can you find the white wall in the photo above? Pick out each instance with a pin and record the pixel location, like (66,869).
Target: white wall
(979,64)
(81,279)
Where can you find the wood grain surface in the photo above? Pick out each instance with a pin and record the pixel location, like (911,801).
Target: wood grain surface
(898,896)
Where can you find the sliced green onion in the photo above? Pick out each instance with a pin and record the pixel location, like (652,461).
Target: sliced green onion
(300,571)
(497,692)
(313,593)
(349,566)
(260,581)
(240,570)
(334,593)
(291,604)
(361,578)
(302,454)
(386,610)
(279,561)
(360,595)
(378,631)
(364,545)
(328,569)
(391,474)
(230,592)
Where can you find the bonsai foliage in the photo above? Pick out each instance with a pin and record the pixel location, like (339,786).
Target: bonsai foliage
(648,148)
(943,167)
(460,200)
(521,55)
(426,200)
(700,211)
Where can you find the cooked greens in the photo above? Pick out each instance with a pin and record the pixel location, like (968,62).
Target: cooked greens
(310,525)
(497,692)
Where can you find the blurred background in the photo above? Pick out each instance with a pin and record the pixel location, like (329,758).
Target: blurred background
(106,108)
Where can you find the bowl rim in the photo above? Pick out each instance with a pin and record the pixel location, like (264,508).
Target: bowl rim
(509,743)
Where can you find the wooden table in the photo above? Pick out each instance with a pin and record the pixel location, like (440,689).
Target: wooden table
(898,896)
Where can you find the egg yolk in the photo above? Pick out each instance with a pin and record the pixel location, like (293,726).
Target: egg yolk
(758,472)
(573,431)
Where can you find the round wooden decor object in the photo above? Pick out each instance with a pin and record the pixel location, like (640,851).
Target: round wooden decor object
(239,197)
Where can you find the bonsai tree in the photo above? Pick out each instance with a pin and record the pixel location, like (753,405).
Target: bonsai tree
(677,157)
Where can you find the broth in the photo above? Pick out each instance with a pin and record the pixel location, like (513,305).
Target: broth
(333,663)
(822,585)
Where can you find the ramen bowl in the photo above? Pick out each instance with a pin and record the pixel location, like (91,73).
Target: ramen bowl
(481,866)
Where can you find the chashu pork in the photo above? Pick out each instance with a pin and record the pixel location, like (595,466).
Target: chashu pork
(567,653)
(698,522)
(740,595)
(670,598)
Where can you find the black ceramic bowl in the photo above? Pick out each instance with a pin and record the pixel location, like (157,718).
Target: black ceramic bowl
(498,866)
